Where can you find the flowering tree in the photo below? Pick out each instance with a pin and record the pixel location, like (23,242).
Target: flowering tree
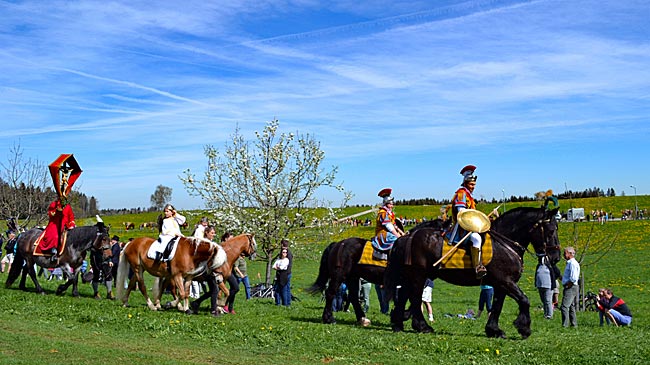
(265,186)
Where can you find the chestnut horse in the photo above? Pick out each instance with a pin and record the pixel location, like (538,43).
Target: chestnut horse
(78,241)
(234,247)
(411,263)
(193,256)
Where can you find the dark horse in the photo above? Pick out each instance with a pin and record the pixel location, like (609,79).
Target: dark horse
(511,234)
(78,241)
(340,264)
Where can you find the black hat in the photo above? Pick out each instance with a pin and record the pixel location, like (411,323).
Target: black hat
(115,238)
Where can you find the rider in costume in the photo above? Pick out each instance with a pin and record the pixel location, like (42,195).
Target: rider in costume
(463,199)
(60,215)
(386,231)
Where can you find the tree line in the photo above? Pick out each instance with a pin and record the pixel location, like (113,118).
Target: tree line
(569,194)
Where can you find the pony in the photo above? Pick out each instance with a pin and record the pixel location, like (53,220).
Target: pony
(340,264)
(193,257)
(78,241)
(412,261)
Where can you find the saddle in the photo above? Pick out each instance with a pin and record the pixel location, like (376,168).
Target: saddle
(461,258)
(61,246)
(159,248)
(368,256)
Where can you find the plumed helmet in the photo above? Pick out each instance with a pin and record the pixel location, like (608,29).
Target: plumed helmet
(385,195)
(468,173)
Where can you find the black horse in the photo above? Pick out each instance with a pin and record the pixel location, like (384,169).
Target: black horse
(411,263)
(340,264)
(79,240)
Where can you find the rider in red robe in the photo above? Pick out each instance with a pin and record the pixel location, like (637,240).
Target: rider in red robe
(61,218)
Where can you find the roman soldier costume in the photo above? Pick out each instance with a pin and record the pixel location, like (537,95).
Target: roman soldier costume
(386,231)
(463,199)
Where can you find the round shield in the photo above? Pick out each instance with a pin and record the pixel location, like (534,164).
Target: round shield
(473,220)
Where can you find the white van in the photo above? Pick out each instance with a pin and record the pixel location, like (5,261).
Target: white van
(575,214)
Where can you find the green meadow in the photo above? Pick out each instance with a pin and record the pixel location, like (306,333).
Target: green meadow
(64,330)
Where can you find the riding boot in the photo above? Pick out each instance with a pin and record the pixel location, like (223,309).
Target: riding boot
(476,262)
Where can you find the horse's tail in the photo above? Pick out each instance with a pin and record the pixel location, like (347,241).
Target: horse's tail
(122,274)
(16,266)
(323,272)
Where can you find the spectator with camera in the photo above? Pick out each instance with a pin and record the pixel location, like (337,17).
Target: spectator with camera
(614,308)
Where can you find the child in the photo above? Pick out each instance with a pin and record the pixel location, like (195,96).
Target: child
(485,299)
(426,297)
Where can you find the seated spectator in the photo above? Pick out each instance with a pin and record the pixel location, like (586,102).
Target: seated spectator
(616,307)
(601,314)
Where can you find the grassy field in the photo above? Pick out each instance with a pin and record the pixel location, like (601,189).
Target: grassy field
(63,330)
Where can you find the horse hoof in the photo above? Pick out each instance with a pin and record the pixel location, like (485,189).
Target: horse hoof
(188,312)
(364,322)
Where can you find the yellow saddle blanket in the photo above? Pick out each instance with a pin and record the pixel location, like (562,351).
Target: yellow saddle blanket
(461,259)
(367,259)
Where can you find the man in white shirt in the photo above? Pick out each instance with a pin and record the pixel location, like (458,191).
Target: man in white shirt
(571,290)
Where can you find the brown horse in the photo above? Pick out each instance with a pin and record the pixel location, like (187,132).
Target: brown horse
(193,256)
(234,247)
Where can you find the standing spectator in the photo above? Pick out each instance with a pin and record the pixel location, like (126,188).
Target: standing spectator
(381,294)
(240,270)
(115,256)
(545,284)
(287,288)
(615,307)
(199,232)
(281,266)
(556,292)
(485,299)
(426,297)
(340,298)
(10,249)
(571,288)
(233,284)
(364,294)
(100,261)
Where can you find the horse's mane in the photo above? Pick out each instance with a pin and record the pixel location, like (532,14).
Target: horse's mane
(436,224)
(501,238)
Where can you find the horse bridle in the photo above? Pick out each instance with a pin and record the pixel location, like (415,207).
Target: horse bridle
(541,223)
(99,236)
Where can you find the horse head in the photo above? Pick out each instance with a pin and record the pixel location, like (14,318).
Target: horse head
(536,226)
(251,248)
(547,228)
(101,238)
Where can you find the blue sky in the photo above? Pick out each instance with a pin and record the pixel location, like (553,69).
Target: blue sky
(538,94)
